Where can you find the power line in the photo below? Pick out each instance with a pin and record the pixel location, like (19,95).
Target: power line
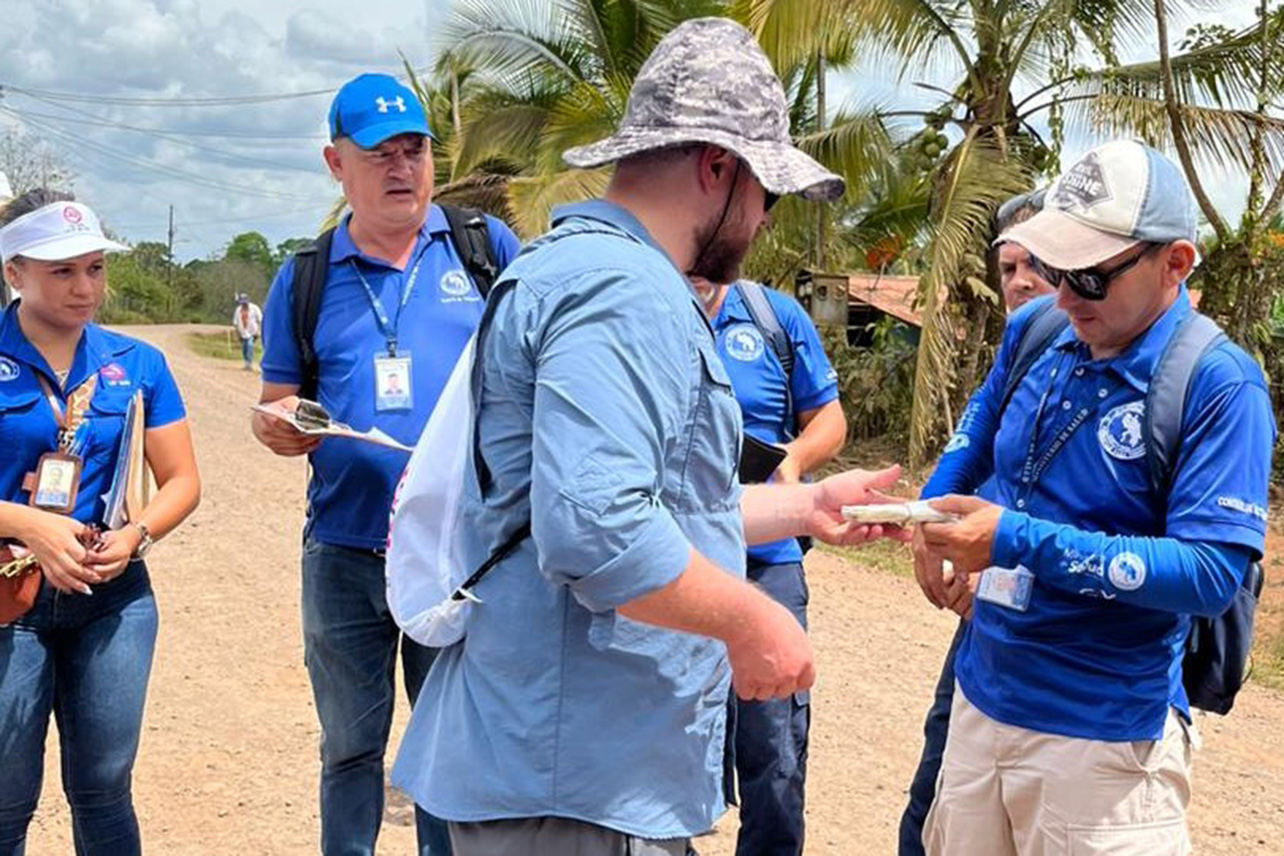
(236,135)
(212,101)
(98,120)
(173,172)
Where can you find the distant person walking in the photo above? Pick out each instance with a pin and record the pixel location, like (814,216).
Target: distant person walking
(66,385)
(248,321)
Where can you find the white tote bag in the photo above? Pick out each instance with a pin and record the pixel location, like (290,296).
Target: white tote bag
(424,569)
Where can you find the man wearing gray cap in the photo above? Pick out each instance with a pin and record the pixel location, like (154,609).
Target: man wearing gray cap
(584,710)
(1070,730)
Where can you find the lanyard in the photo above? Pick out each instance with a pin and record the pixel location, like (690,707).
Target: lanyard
(388,327)
(1032,470)
(70,423)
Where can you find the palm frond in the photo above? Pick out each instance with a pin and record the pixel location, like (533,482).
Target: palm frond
(857,146)
(532,198)
(974,180)
(515,37)
(1220,139)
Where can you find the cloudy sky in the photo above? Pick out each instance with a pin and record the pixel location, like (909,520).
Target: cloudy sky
(216,107)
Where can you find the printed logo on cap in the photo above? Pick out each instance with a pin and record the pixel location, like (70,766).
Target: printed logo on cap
(1120,431)
(744,343)
(1084,185)
(9,370)
(383,104)
(72,214)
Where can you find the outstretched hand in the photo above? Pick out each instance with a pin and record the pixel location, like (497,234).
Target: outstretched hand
(853,487)
(968,541)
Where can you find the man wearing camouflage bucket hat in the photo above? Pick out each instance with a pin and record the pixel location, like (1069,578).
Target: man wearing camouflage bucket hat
(584,709)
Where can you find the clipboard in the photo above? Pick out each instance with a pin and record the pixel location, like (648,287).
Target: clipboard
(758,460)
(131,483)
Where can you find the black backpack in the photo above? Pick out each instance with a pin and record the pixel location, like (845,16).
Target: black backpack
(764,318)
(1216,660)
(468,232)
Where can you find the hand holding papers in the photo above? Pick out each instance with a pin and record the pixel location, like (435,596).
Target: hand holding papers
(312,419)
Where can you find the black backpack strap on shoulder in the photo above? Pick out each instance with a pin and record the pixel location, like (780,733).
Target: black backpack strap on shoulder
(311,268)
(764,318)
(1170,384)
(1038,336)
(471,236)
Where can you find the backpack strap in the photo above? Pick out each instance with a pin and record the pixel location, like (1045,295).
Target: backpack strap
(1170,384)
(1038,336)
(311,267)
(470,234)
(763,315)
(765,319)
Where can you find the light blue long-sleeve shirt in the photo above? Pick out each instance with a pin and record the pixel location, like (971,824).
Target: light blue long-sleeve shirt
(606,416)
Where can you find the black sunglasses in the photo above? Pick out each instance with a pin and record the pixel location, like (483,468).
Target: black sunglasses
(768,201)
(1090,283)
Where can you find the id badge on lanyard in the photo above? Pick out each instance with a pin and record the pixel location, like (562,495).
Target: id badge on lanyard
(56,480)
(392,378)
(392,383)
(1010,588)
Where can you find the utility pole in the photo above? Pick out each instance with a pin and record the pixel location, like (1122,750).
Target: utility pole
(169,267)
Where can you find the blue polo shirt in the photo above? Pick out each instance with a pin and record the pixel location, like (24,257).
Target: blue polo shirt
(28,428)
(352,483)
(606,419)
(762,388)
(1098,652)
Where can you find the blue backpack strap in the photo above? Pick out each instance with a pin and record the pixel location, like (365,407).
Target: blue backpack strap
(768,323)
(1044,327)
(1170,383)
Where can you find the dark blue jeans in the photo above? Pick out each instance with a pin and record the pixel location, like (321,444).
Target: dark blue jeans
(350,645)
(86,659)
(771,742)
(247,352)
(935,729)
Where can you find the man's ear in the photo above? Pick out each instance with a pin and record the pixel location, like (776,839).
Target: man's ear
(333,162)
(1179,262)
(714,165)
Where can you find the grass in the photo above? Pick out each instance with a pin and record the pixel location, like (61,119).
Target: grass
(223,346)
(1268,645)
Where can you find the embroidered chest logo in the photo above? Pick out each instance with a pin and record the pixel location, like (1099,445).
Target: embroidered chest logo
(9,370)
(1127,572)
(1120,431)
(113,374)
(455,287)
(1083,186)
(744,343)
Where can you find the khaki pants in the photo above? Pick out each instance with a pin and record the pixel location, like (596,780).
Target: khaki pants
(1007,791)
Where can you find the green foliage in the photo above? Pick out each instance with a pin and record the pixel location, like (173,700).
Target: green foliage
(222,346)
(876,384)
(251,247)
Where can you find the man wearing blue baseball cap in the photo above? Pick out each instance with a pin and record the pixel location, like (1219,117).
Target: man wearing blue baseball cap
(1070,730)
(387,294)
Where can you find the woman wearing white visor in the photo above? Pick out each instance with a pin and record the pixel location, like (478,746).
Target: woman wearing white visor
(82,649)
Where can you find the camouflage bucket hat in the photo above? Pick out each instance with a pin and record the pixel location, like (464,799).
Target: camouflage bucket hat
(707,81)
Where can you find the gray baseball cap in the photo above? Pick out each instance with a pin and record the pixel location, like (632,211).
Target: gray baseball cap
(708,81)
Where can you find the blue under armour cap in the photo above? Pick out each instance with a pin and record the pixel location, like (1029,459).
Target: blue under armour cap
(371,108)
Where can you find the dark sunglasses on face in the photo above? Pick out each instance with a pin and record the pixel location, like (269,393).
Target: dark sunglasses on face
(1090,283)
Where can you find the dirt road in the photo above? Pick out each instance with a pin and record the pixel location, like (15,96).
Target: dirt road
(229,756)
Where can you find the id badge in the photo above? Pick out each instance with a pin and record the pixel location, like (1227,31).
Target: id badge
(392,383)
(1007,587)
(57,477)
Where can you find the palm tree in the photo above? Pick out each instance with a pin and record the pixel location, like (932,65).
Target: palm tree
(986,52)
(536,78)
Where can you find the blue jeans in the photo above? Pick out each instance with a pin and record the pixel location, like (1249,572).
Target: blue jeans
(247,352)
(935,729)
(771,742)
(86,659)
(350,646)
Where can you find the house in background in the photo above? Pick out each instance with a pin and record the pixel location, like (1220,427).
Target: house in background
(858,301)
